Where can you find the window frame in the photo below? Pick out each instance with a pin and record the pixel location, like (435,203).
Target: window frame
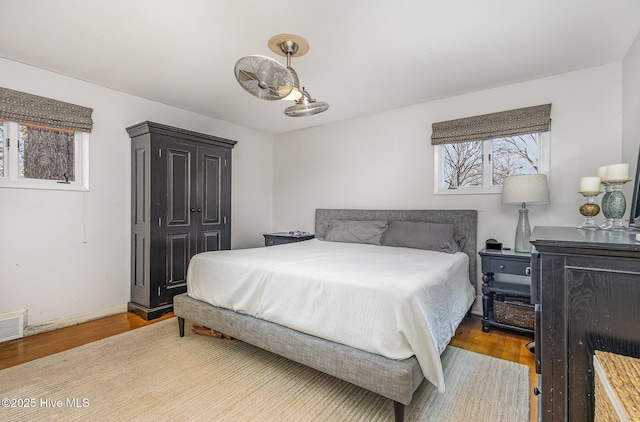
(438,166)
(12,179)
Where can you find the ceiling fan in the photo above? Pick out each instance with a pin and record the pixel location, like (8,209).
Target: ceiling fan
(267,79)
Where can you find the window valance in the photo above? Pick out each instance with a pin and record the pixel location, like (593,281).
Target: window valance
(27,108)
(494,125)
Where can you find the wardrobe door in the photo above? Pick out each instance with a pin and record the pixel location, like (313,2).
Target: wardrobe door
(213,198)
(175,234)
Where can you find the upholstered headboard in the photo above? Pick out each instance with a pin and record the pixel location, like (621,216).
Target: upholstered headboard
(466,222)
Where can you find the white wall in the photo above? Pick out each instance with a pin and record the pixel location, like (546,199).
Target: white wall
(385,161)
(44,265)
(631,109)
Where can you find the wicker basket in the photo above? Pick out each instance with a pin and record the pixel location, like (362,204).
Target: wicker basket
(616,387)
(515,311)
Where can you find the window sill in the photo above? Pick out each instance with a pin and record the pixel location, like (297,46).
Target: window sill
(468,191)
(45,186)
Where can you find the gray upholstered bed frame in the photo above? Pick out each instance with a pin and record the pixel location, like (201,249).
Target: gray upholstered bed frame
(394,379)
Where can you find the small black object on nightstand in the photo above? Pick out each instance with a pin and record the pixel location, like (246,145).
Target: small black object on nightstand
(493,245)
(271,239)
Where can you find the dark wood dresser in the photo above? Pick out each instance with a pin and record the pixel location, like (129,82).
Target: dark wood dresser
(587,283)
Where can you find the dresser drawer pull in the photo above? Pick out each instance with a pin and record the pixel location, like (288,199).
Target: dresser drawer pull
(527,271)
(502,266)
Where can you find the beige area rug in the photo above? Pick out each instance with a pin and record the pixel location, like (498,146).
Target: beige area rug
(151,374)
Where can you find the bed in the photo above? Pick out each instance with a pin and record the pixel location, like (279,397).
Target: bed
(393,364)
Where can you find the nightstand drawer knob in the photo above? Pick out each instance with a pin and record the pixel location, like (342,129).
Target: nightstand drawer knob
(527,271)
(502,266)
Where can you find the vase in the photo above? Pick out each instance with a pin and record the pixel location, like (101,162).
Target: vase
(617,205)
(605,206)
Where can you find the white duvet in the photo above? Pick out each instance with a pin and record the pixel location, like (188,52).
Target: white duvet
(395,302)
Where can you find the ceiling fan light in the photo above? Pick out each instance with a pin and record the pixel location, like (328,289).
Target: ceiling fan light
(306,110)
(306,106)
(295,93)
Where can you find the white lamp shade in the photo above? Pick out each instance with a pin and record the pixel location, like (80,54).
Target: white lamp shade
(526,188)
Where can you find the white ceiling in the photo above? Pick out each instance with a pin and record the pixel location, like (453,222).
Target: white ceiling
(365,56)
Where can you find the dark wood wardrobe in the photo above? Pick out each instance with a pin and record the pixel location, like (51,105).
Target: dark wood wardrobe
(181,205)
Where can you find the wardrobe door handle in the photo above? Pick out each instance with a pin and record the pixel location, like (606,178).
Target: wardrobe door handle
(199,209)
(193,210)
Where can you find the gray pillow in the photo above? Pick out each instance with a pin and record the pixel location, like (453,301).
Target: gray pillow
(429,236)
(350,231)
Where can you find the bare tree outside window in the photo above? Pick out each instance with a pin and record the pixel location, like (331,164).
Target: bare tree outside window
(46,153)
(514,156)
(463,164)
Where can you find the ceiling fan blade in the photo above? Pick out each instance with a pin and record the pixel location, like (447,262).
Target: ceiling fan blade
(246,75)
(264,77)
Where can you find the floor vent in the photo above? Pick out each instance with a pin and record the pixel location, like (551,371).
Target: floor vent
(12,325)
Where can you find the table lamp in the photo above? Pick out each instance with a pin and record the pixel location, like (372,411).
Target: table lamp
(524,189)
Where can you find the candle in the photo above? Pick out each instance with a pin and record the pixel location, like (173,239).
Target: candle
(602,172)
(617,172)
(589,184)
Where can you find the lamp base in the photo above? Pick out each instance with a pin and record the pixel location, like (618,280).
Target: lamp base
(523,232)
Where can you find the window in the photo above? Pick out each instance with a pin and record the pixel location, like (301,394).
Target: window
(44,143)
(480,166)
(474,155)
(43,158)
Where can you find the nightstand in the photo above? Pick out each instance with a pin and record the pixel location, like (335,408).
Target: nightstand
(280,238)
(506,304)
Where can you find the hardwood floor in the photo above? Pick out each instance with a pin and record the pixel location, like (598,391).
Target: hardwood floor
(502,344)
(15,352)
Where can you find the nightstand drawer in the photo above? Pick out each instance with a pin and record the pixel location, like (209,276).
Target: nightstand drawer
(505,266)
(272,239)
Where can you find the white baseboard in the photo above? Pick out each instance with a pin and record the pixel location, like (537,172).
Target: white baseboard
(73,320)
